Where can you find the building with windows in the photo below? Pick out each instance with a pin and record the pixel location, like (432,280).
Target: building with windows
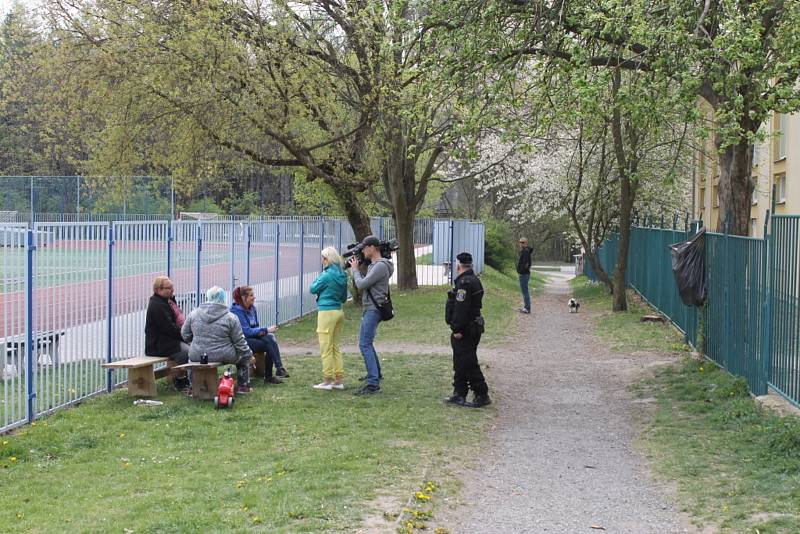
(776,161)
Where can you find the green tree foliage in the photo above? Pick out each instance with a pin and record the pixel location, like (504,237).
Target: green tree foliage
(500,251)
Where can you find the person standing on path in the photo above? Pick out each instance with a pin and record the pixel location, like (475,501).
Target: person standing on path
(330,287)
(463,314)
(524,271)
(375,291)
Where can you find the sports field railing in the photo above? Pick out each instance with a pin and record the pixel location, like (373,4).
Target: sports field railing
(750,323)
(74,295)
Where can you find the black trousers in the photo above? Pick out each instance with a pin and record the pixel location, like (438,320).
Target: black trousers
(466,371)
(258,344)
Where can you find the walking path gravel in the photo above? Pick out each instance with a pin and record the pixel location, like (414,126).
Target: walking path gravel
(560,456)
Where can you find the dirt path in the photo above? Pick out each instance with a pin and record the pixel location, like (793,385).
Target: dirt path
(560,457)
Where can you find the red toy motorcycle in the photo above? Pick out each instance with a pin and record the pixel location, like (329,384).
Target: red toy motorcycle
(225,391)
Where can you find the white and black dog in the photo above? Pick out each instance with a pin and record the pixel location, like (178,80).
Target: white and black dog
(574,305)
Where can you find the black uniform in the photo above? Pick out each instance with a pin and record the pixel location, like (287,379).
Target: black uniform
(463,314)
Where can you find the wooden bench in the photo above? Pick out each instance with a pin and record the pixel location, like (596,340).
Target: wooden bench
(261,363)
(141,376)
(204,378)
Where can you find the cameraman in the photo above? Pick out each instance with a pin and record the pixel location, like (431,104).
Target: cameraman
(375,285)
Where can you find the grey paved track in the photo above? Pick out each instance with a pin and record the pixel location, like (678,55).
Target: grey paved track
(561,456)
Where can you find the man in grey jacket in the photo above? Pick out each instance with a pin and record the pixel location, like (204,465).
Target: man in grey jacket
(374,286)
(216,334)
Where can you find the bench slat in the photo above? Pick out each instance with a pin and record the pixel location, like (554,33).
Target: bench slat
(133,363)
(198,365)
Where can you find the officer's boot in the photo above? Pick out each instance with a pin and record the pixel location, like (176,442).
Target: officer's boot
(457,399)
(481,400)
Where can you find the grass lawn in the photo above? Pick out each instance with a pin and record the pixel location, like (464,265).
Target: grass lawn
(286,458)
(420,315)
(736,465)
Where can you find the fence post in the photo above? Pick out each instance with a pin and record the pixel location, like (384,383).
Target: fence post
(340,238)
(110,308)
(248,239)
(767,282)
(302,250)
(29,385)
(321,238)
(232,229)
(277,270)
(198,263)
(452,259)
(169,249)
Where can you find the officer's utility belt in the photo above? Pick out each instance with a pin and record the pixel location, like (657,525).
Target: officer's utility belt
(479,324)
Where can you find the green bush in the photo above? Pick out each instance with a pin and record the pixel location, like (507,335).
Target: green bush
(500,251)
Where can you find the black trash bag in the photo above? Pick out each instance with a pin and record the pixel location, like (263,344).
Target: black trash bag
(688,266)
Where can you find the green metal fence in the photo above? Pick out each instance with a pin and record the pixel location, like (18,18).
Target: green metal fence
(748,294)
(734,310)
(783,316)
(650,273)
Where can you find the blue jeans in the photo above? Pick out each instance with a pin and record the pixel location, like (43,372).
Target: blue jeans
(369,326)
(523,285)
(274,351)
(269,345)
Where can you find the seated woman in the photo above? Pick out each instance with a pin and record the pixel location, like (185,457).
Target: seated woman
(162,328)
(258,338)
(216,334)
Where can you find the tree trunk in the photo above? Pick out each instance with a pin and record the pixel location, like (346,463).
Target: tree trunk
(735,188)
(356,215)
(627,194)
(399,181)
(406,260)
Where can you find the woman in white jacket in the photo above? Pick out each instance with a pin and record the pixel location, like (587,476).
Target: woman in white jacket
(215,333)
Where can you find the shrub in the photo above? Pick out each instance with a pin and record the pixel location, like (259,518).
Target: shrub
(500,249)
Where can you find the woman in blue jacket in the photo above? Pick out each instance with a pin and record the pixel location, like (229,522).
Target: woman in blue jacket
(258,338)
(331,290)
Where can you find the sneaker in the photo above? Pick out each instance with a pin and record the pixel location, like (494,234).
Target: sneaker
(273,380)
(524,310)
(281,373)
(369,389)
(458,400)
(481,400)
(337,386)
(243,390)
(323,385)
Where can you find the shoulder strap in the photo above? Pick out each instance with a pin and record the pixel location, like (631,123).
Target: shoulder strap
(369,293)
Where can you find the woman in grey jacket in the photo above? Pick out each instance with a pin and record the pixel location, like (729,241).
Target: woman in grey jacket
(215,332)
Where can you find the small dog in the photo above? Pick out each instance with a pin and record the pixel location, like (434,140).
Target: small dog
(573,305)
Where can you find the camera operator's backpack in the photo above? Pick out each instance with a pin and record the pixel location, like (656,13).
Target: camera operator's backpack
(386,310)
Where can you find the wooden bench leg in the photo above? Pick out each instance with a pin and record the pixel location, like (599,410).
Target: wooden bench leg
(261,363)
(142,382)
(204,382)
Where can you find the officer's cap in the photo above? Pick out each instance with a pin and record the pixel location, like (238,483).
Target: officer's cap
(370,240)
(465,258)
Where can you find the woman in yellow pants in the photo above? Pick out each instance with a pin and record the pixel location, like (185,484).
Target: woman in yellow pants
(330,287)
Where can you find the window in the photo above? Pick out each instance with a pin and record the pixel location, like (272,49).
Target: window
(756,153)
(780,188)
(715,195)
(780,132)
(755,196)
(702,200)
(753,227)
(702,159)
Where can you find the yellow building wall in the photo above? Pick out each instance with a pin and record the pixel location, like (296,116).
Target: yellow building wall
(768,167)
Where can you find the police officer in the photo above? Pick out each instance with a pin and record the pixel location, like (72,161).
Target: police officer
(463,314)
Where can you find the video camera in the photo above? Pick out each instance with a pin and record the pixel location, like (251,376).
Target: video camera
(355,249)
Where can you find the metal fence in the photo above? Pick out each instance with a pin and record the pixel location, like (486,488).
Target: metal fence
(751,318)
(74,295)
